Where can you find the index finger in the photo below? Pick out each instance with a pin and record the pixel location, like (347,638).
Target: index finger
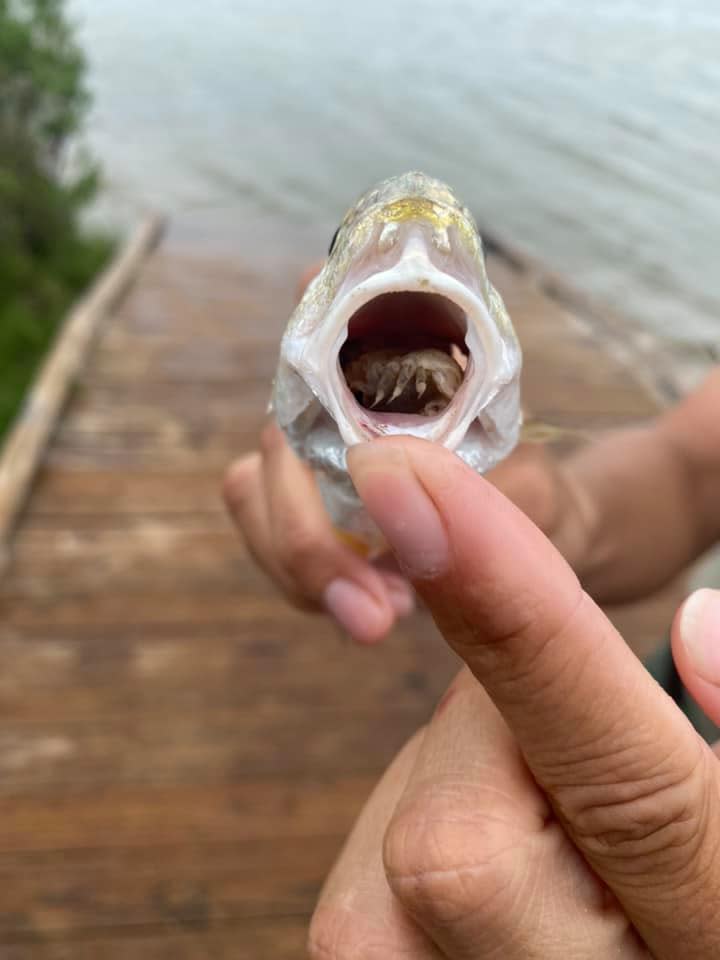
(312,556)
(637,789)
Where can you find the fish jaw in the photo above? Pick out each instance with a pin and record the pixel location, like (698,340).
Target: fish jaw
(408,258)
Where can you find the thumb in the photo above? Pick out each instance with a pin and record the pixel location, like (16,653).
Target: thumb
(696,649)
(635,788)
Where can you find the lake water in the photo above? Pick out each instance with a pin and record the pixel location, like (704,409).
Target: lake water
(586,134)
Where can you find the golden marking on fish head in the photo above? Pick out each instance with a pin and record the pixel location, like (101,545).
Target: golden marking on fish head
(412,197)
(416,208)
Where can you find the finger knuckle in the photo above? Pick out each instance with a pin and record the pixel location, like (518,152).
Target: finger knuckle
(331,936)
(545,668)
(531,468)
(649,825)
(340,934)
(270,436)
(238,479)
(538,491)
(299,548)
(451,853)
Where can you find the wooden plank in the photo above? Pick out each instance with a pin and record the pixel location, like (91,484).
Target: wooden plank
(179,396)
(74,677)
(117,493)
(119,817)
(70,893)
(127,451)
(165,318)
(221,746)
(283,938)
(155,607)
(212,281)
(45,531)
(163,433)
(91,554)
(179,415)
(27,439)
(209,362)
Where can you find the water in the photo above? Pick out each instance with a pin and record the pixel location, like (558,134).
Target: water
(587,135)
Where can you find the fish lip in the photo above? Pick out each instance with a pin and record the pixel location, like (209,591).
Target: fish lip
(413,273)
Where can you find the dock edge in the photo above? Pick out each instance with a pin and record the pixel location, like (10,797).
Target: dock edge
(22,451)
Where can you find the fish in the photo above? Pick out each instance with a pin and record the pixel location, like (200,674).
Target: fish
(400,333)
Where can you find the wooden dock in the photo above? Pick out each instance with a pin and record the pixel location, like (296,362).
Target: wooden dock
(181,754)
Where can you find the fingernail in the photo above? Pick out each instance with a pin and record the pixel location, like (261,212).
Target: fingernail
(399,505)
(402,597)
(355,610)
(700,633)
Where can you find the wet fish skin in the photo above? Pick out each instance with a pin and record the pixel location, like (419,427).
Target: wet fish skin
(411,234)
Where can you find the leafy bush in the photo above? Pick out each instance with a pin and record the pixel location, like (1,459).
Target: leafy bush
(46,257)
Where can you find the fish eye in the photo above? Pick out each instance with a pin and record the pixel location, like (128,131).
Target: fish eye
(332,242)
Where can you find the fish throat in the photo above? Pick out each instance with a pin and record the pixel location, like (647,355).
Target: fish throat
(405,354)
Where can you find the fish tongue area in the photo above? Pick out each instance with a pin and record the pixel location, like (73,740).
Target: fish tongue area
(405,354)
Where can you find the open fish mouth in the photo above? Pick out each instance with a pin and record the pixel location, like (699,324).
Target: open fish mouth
(409,343)
(405,356)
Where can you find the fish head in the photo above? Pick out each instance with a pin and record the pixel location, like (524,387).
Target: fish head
(405,287)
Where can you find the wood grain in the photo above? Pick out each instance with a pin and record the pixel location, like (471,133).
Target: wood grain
(181,753)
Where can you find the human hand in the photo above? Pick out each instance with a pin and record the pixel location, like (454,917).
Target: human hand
(558,804)
(276,506)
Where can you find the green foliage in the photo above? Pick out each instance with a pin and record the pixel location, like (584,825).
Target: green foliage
(46,258)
